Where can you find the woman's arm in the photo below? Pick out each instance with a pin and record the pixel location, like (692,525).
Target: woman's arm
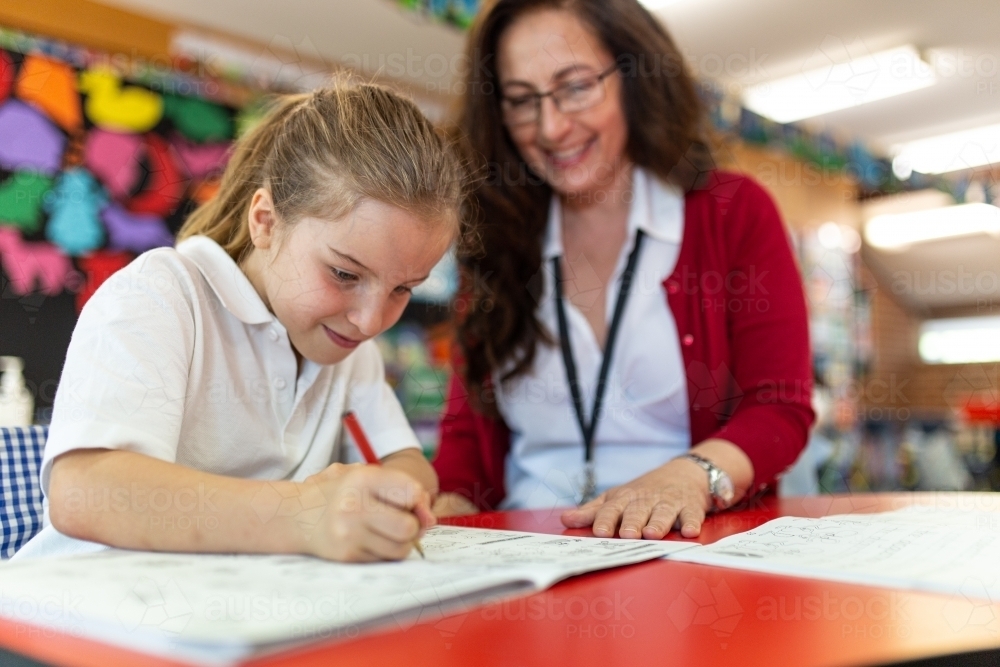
(133,501)
(470,457)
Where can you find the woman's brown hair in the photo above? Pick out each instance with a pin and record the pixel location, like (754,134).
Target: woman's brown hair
(322,153)
(666,135)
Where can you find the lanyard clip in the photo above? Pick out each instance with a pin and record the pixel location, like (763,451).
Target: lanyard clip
(589,491)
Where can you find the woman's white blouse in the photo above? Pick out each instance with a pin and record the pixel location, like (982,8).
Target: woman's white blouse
(645,415)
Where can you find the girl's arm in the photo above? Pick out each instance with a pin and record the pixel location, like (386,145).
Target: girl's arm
(412,462)
(133,501)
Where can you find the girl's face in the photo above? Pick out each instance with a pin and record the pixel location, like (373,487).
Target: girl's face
(579,153)
(336,283)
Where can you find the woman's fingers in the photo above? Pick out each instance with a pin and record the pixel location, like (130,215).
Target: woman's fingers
(608,515)
(661,520)
(583,516)
(635,517)
(691,517)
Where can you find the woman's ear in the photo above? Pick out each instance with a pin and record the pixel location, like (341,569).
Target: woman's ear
(262,219)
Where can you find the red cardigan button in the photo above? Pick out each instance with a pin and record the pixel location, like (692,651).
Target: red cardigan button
(673,287)
(688,339)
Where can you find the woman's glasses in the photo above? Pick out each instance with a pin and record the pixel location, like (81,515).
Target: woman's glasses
(578,94)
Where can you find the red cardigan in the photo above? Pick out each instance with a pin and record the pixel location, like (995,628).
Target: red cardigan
(736,296)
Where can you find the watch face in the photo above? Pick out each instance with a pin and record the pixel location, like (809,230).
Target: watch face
(724,490)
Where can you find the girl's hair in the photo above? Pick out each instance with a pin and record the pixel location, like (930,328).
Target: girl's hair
(666,135)
(321,153)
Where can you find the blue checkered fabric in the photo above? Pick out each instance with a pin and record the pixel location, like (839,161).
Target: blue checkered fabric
(20,485)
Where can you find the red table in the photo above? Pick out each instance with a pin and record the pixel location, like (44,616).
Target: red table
(657,612)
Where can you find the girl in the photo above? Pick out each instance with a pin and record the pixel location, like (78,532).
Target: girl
(621,267)
(201,401)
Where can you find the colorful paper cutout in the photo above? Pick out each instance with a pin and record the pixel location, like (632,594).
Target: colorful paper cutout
(198,120)
(135,232)
(6,75)
(114,158)
(28,140)
(51,86)
(32,266)
(165,184)
(200,160)
(74,207)
(98,267)
(21,198)
(112,106)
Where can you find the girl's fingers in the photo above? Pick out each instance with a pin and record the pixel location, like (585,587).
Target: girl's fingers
(393,524)
(661,519)
(425,515)
(381,548)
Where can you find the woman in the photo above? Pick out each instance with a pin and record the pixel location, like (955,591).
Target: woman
(622,276)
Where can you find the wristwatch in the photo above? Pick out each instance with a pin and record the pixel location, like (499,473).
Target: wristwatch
(720,484)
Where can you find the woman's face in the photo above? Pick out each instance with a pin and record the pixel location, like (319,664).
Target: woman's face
(578,154)
(336,283)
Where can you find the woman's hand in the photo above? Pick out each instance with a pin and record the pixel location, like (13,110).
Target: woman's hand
(453,504)
(368,513)
(673,496)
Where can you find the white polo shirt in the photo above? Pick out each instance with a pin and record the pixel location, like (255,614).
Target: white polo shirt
(177,357)
(645,419)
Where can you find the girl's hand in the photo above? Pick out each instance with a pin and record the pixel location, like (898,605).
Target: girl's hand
(675,495)
(370,513)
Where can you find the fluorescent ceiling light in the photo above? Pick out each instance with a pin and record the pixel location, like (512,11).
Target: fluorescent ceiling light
(901,230)
(836,86)
(950,152)
(961,340)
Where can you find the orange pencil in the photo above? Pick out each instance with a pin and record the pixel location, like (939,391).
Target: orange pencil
(354,426)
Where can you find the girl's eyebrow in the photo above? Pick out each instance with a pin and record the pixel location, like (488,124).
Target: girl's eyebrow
(349,259)
(569,69)
(365,268)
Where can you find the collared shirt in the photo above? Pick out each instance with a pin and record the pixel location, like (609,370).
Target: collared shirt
(645,420)
(177,357)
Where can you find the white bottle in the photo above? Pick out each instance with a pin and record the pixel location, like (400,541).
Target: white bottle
(16,404)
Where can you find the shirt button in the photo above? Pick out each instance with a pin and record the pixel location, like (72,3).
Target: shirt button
(280,383)
(688,339)
(272,334)
(673,287)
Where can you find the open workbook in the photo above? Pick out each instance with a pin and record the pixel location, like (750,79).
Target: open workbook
(217,609)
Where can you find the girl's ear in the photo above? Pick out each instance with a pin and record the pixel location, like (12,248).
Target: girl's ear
(262,219)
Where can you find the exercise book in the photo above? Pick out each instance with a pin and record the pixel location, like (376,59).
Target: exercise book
(219,609)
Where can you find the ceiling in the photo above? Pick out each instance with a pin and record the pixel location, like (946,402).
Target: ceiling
(759,40)
(732,42)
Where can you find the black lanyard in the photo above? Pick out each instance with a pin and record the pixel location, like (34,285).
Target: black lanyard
(588,430)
